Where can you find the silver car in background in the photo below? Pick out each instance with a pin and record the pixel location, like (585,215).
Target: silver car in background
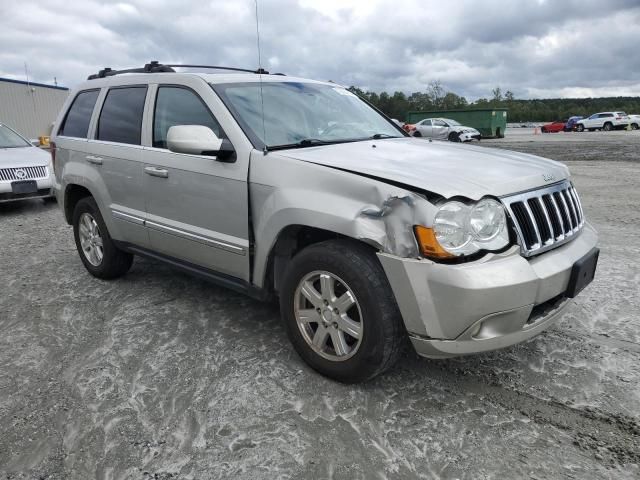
(25,170)
(445,129)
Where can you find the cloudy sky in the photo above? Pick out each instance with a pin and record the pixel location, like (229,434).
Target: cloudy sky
(536,49)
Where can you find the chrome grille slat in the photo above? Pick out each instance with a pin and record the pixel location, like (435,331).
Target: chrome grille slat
(565,210)
(575,206)
(538,241)
(557,208)
(545,218)
(577,199)
(572,211)
(32,173)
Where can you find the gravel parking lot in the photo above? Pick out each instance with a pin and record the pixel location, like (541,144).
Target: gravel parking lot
(160,375)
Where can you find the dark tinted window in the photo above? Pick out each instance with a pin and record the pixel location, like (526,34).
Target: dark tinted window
(121,116)
(179,106)
(76,124)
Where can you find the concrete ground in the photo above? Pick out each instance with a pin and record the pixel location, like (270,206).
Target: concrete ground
(160,375)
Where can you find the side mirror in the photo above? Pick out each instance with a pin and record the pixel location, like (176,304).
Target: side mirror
(199,140)
(35,142)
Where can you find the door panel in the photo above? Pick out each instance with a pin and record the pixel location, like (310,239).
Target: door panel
(120,167)
(440,130)
(197,208)
(116,152)
(196,212)
(425,129)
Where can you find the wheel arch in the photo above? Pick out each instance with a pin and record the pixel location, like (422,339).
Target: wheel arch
(291,240)
(73,193)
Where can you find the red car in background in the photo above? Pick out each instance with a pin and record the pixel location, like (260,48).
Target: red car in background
(553,127)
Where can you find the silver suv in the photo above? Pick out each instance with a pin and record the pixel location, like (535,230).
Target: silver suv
(295,189)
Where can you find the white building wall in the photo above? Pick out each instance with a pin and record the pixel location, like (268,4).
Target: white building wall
(30,109)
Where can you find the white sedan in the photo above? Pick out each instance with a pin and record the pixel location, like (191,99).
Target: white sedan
(445,129)
(25,170)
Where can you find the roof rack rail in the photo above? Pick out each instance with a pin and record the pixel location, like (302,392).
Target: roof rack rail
(156,67)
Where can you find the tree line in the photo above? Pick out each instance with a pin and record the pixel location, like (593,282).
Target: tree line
(397,104)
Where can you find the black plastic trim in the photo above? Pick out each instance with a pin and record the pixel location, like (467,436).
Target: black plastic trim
(221,279)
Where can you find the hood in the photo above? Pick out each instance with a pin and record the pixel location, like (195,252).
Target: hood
(23,157)
(445,168)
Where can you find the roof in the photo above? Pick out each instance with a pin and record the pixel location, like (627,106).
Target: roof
(213,78)
(33,84)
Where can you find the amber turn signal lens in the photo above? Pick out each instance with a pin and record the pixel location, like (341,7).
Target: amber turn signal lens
(429,246)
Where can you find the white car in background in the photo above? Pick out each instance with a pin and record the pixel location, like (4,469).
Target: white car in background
(606,121)
(25,170)
(445,129)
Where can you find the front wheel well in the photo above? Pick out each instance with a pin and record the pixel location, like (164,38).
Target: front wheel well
(292,240)
(72,195)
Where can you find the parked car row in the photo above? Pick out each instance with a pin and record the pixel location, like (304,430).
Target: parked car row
(606,121)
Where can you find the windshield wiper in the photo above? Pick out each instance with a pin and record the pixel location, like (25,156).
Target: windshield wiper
(312,142)
(378,136)
(308,142)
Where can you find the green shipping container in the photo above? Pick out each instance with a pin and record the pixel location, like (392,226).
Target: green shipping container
(490,122)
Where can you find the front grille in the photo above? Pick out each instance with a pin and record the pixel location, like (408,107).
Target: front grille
(23,173)
(545,218)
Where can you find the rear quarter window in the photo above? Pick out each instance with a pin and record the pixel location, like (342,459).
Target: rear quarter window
(121,116)
(76,123)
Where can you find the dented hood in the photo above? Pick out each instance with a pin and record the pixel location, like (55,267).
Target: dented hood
(448,169)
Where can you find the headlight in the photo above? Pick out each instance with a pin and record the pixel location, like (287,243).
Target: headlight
(460,229)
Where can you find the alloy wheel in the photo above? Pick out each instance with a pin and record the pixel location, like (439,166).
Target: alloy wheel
(328,316)
(90,239)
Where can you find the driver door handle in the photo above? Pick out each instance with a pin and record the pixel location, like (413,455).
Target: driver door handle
(156,172)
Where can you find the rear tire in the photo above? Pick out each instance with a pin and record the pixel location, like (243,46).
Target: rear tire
(312,302)
(417,134)
(97,251)
(607,127)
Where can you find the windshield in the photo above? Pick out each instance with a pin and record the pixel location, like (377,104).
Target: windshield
(302,114)
(452,123)
(10,139)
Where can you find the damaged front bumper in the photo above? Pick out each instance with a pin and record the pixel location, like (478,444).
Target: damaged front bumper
(497,301)
(469,136)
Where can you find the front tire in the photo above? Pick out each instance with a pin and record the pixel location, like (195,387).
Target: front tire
(454,137)
(580,128)
(634,126)
(417,134)
(97,251)
(340,313)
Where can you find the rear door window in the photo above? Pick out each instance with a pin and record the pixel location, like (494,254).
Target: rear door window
(76,123)
(180,106)
(121,117)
